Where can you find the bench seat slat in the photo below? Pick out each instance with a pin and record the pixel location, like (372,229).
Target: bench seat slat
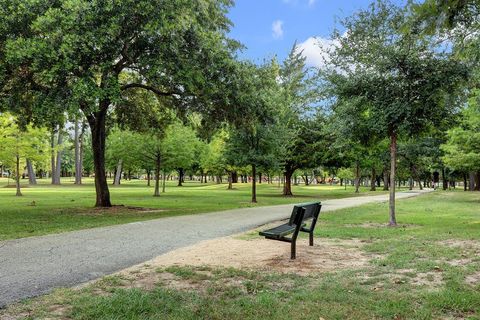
(279,231)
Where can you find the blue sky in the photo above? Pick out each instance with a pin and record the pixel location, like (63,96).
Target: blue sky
(270,27)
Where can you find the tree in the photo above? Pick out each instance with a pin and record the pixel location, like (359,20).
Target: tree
(462,149)
(344,174)
(301,135)
(179,148)
(18,144)
(256,135)
(400,79)
(78,54)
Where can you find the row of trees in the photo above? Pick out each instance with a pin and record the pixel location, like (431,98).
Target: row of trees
(159,89)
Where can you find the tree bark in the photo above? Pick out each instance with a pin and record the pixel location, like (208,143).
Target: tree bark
(259,177)
(164,181)
(357,176)
(180,177)
(385,180)
(156,193)
(444,180)
(373,187)
(17,177)
(96,122)
(32,180)
(477,181)
(471,181)
(149,174)
(78,167)
(287,188)
(230,180)
(58,162)
(464,182)
(118,173)
(254,184)
(52,154)
(393,167)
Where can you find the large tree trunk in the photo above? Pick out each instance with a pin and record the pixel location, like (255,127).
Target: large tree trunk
(32,180)
(156,193)
(385,180)
(357,176)
(373,187)
(17,177)
(254,184)
(477,181)
(287,188)
(97,127)
(180,177)
(234,177)
(471,181)
(444,180)
(58,163)
(118,173)
(393,167)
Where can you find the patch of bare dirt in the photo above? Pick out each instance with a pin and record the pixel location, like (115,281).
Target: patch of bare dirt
(463,244)
(380,225)
(473,279)
(325,256)
(431,280)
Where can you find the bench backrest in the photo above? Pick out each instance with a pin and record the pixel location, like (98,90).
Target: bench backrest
(312,210)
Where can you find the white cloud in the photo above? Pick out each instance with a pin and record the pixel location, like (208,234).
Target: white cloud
(315,49)
(277,29)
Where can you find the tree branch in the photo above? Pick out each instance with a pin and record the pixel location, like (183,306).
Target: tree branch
(149,88)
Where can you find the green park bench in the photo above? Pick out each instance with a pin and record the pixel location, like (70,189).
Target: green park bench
(297,223)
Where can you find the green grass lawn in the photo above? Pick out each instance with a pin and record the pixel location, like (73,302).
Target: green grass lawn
(385,289)
(45,209)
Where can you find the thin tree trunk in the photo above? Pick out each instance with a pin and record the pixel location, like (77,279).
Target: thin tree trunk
(287,189)
(373,187)
(58,162)
(78,168)
(17,177)
(97,127)
(118,173)
(464,182)
(259,177)
(230,180)
(52,155)
(32,180)
(149,173)
(393,166)
(180,177)
(164,181)
(157,176)
(444,180)
(254,185)
(357,176)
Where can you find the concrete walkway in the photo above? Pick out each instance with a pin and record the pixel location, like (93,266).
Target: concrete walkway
(36,265)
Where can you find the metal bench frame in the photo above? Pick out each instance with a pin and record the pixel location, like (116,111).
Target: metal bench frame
(295,225)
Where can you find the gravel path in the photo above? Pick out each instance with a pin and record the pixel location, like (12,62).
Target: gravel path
(36,265)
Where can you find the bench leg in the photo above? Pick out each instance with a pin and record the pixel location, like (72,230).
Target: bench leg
(311,238)
(293,250)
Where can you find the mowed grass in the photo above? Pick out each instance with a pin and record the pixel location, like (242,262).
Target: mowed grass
(45,209)
(386,289)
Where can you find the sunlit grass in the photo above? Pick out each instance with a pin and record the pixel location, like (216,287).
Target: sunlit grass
(47,209)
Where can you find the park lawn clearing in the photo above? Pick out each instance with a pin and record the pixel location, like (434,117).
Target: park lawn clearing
(46,209)
(428,268)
